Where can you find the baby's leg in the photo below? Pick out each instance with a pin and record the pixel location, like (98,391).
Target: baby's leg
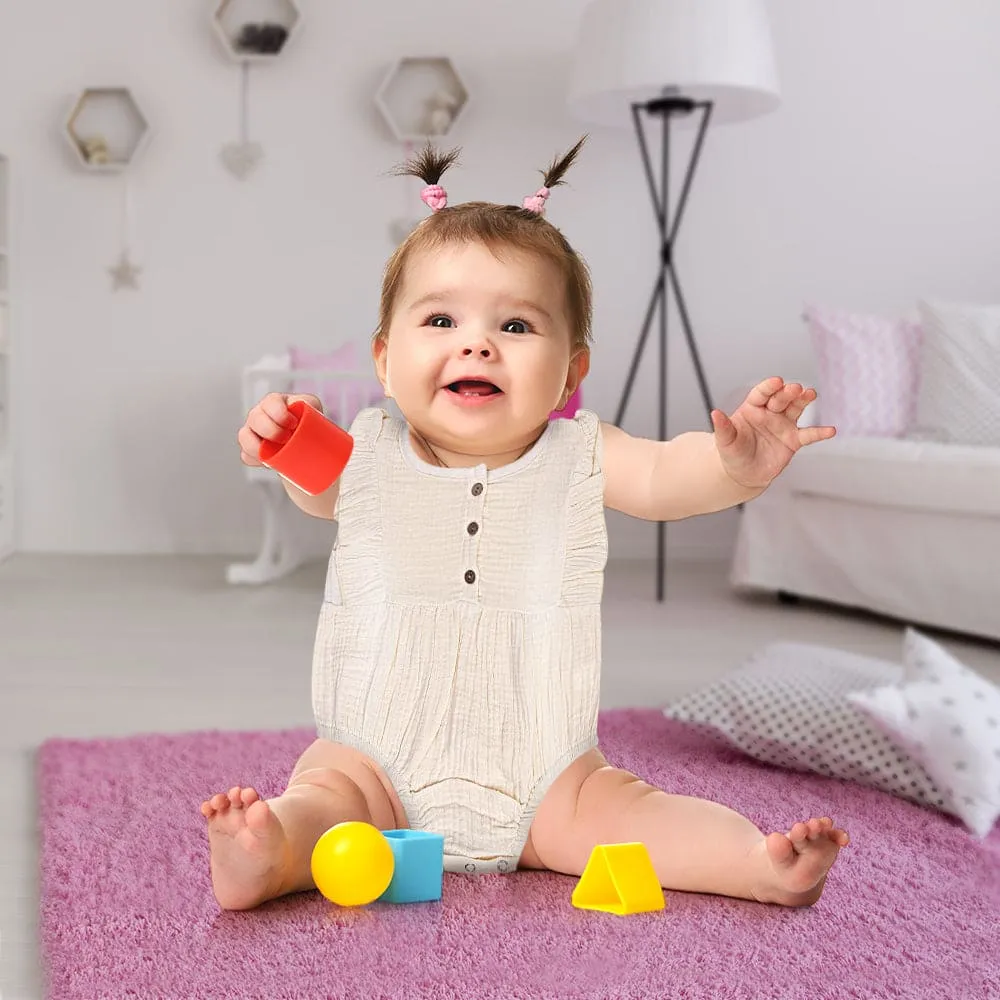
(695,845)
(261,849)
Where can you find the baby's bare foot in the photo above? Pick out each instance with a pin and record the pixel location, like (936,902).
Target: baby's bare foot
(249,852)
(795,864)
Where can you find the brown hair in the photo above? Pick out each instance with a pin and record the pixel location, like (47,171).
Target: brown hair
(499,228)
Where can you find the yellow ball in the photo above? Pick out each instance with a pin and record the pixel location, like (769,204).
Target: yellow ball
(352,864)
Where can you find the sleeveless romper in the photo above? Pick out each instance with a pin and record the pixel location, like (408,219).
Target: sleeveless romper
(459,640)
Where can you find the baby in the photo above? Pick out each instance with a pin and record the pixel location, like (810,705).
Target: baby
(456,673)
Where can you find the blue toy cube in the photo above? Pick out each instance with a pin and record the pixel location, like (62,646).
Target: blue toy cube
(419,860)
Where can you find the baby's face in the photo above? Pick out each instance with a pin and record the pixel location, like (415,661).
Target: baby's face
(478,351)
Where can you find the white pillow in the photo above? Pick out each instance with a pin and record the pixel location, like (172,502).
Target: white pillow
(787,706)
(947,717)
(958,400)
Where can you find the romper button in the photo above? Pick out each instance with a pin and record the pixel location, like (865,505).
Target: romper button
(477,488)
(472,528)
(470,576)
(470,867)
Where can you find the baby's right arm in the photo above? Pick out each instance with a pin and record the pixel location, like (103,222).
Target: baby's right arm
(271,420)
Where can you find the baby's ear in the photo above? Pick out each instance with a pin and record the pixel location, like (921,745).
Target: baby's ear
(579,365)
(380,355)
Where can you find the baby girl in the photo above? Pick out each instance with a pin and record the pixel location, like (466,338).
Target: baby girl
(456,672)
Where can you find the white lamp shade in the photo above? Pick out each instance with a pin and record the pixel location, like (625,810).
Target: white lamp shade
(635,50)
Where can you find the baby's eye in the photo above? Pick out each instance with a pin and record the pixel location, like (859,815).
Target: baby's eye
(518,325)
(441,321)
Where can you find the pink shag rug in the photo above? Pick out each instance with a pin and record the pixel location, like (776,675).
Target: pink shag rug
(912,908)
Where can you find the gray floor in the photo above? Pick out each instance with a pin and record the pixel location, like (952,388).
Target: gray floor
(105,646)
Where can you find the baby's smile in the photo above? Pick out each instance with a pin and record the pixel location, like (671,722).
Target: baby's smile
(473,392)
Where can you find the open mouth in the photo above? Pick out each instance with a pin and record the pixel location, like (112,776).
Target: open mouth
(473,387)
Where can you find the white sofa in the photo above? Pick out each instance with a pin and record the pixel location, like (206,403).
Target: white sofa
(905,528)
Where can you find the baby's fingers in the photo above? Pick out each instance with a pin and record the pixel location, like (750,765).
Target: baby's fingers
(797,406)
(763,391)
(249,446)
(271,419)
(275,406)
(784,397)
(810,435)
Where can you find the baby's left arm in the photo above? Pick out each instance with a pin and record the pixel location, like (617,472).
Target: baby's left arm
(700,472)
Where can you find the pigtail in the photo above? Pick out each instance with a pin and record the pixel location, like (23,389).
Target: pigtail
(552,177)
(429,164)
(557,170)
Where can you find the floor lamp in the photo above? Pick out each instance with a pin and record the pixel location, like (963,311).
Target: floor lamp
(682,62)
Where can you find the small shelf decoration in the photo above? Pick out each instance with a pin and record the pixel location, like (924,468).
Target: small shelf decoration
(256,30)
(107,129)
(421,98)
(251,32)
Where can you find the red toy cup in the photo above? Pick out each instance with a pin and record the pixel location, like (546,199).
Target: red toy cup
(314,455)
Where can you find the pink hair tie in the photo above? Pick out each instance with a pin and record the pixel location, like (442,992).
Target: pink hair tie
(434,197)
(536,202)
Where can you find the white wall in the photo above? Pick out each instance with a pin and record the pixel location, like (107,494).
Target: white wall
(875,183)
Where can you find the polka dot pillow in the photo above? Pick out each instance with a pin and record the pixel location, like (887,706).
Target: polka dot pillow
(947,717)
(788,706)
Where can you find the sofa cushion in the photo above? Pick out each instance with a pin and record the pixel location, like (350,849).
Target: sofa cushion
(896,472)
(868,370)
(958,400)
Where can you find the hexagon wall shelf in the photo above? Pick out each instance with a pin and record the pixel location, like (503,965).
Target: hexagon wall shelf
(256,30)
(421,98)
(106,128)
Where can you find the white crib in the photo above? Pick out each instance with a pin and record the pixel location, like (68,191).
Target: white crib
(344,394)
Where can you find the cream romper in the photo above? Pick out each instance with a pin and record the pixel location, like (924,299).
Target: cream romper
(459,641)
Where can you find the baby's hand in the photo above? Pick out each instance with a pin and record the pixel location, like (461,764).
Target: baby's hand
(269,420)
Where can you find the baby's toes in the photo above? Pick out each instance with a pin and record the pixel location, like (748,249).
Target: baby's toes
(249,797)
(798,834)
(216,804)
(236,797)
(815,827)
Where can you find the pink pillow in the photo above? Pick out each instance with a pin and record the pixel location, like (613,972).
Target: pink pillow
(569,410)
(869,371)
(342,398)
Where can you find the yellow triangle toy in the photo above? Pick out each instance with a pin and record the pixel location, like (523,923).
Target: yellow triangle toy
(619,878)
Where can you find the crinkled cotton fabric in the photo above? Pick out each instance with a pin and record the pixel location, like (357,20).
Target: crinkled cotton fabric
(459,641)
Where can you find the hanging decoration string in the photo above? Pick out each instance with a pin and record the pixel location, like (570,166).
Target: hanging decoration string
(126,215)
(125,273)
(242,156)
(244,102)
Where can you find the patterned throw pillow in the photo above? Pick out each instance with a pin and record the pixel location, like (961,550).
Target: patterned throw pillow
(948,718)
(788,706)
(869,371)
(959,397)
(343,398)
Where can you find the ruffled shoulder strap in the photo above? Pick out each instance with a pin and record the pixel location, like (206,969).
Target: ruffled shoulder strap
(367,427)
(590,454)
(358,485)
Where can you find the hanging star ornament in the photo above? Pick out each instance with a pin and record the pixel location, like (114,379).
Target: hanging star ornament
(125,274)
